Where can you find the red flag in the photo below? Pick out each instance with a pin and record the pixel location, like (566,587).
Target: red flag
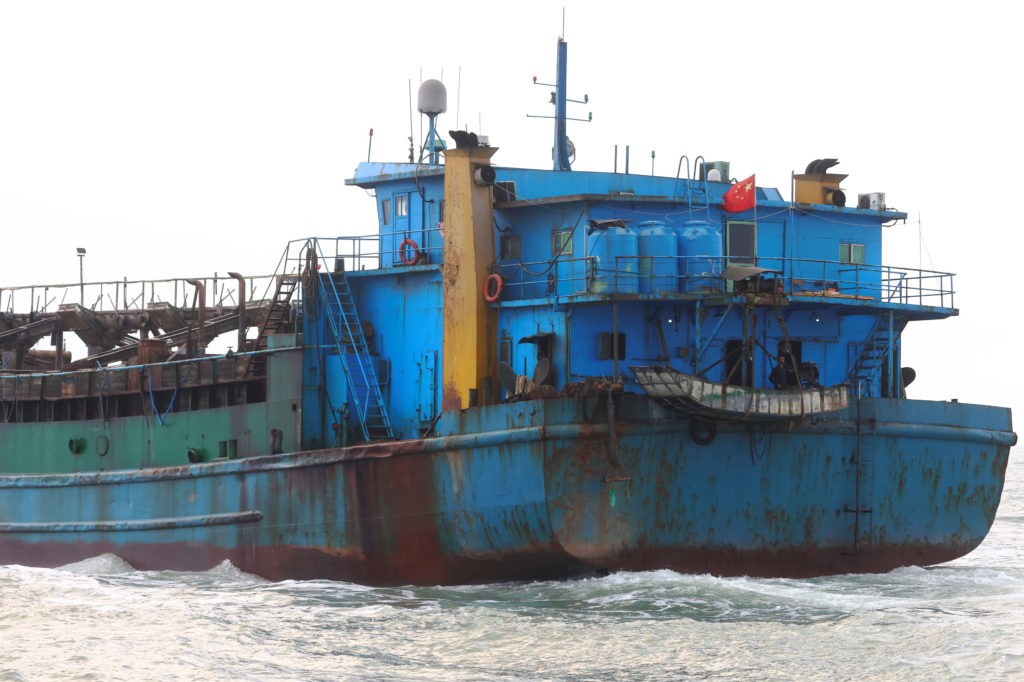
(740,197)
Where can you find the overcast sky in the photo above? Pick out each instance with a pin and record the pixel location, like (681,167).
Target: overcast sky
(188,138)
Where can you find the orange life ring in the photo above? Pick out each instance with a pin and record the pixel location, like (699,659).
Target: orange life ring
(492,296)
(414,256)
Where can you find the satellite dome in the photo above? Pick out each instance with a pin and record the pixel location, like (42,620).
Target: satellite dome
(432,98)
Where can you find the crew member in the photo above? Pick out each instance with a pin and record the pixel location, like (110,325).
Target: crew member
(782,376)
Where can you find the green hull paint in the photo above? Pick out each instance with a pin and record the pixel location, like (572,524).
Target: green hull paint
(142,442)
(152,440)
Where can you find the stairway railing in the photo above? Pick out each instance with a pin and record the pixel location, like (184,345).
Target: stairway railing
(359,364)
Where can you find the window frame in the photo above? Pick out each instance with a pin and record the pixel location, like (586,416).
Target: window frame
(401,205)
(847,251)
(510,247)
(561,242)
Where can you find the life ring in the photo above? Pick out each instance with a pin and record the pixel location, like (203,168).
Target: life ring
(414,256)
(499,283)
(702,432)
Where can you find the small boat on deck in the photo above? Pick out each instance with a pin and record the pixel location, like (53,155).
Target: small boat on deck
(715,400)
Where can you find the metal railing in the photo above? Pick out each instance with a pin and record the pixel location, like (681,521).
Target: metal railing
(369,252)
(703,275)
(221,291)
(663,275)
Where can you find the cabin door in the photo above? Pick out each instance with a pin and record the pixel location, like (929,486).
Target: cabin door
(740,244)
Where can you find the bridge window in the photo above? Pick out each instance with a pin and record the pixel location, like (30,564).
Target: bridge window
(385,209)
(851,253)
(401,205)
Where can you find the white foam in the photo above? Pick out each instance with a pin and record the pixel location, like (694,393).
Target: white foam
(104,564)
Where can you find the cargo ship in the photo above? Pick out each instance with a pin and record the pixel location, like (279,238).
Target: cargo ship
(520,374)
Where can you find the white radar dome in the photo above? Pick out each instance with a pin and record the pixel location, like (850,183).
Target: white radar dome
(432,98)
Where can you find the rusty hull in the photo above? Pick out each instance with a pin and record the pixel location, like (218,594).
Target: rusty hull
(546,489)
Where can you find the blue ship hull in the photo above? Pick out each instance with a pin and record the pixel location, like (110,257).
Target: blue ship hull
(549,489)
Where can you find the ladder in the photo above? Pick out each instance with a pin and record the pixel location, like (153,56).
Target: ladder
(358,363)
(862,509)
(277,320)
(697,198)
(876,349)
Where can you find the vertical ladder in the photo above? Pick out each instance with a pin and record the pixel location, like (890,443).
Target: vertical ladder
(862,508)
(356,360)
(865,503)
(876,349)
(277,320)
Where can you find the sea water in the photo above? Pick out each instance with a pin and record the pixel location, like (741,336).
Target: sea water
(101,620)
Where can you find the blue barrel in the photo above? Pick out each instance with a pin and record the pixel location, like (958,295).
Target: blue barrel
(658,267)
(613,254)
(701,253)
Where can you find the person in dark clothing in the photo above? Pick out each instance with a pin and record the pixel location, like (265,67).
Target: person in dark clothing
(782,376)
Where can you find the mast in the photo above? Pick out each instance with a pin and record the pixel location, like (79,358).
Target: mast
(561,155)
(563,151)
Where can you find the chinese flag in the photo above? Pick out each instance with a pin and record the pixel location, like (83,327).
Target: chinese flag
(740,197)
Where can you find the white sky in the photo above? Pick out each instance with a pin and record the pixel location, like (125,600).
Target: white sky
(188,138)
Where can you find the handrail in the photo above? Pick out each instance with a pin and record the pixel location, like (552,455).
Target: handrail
(362,252)
(673,275)
(124,295)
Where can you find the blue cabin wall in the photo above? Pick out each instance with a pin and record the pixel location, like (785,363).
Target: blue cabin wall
(531,323)
(534,231)
(409,202)
(635,324)
(814,243)
(405,312)
(402,319)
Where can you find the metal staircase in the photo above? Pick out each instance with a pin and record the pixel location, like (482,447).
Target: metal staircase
(358,363)
(277,320)
(876,348)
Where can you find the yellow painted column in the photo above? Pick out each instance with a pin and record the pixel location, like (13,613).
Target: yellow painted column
(469,323)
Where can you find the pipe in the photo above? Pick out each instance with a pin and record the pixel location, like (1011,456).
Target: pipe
(201,336)
(242,322)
